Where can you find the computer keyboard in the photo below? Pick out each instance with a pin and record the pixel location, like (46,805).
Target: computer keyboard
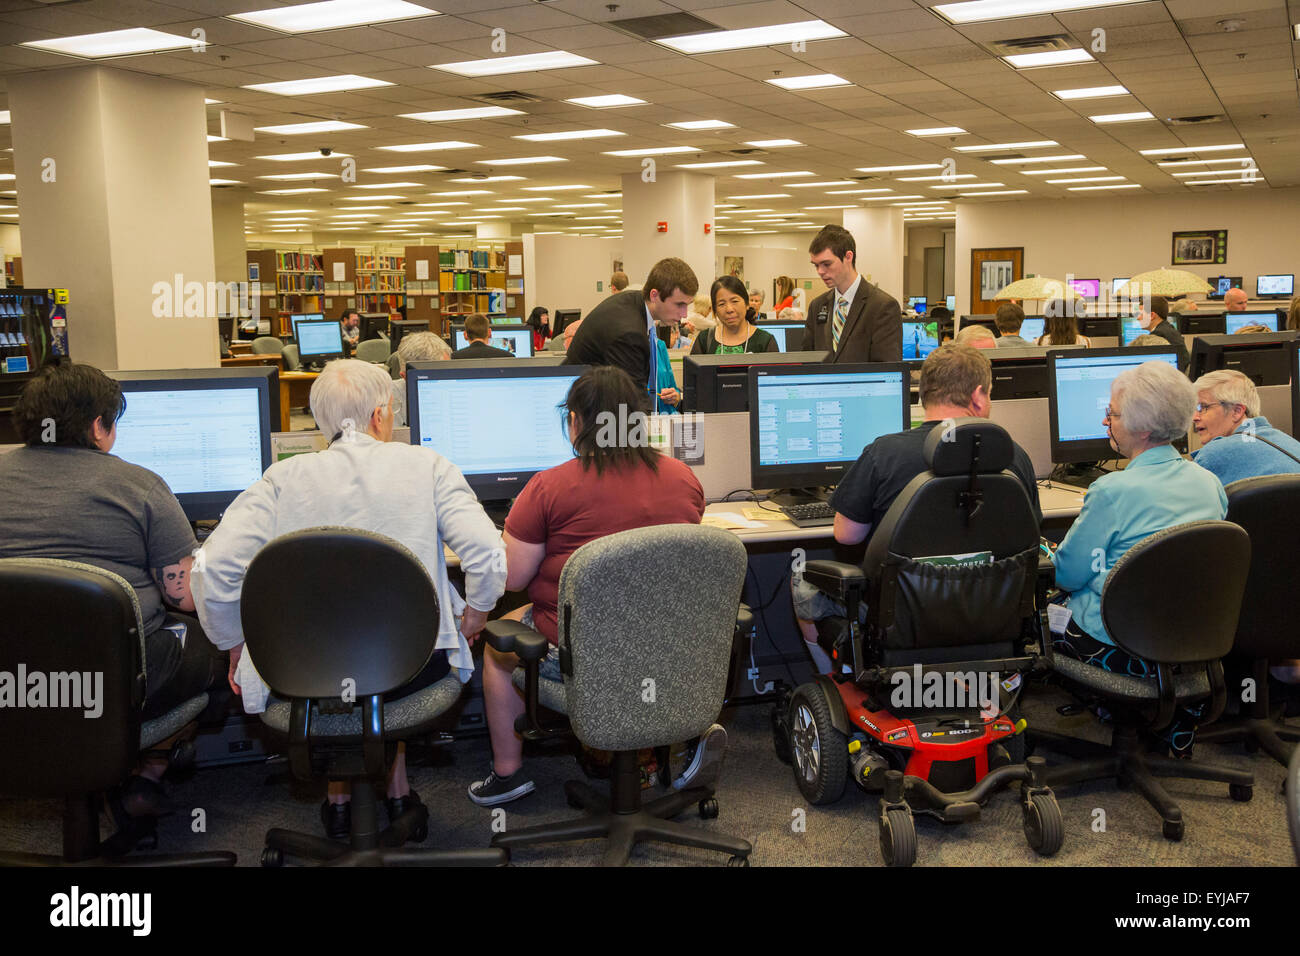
(812,515)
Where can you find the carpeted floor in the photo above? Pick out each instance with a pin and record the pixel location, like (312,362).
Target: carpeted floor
(759,802)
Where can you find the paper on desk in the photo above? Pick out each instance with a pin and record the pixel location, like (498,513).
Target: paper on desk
(759,513)
(730,520)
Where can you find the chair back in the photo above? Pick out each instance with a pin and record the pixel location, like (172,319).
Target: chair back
(394,366)
(267,345)
(648,648)
(309,632)
(966,503)
(292,358)
(1268,508)
(373,350)
(1174,597)
(72,678)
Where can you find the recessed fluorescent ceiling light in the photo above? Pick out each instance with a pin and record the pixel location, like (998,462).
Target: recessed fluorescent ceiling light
(1217,182)
(772,143)
(851,192)
(605,102)
(1235,160)
(569,134)
(323,84)
(781,33)
(898,169)
(998,192)
(403,169)
(694,125)
(527,63)
(465,192)
(821,184)
(473,112)
(1192,174)
(213,163)
(815,81)
(936,131)
(324,126)
(976,11)
(1084,189)
(930,179)
(520,161)
(850,206)
(967,186)
(547,189)
(732,163)
(1122,117)
(293,192)
(427,147)
(1037,159)
(288,176)
(1033,144)
(222,139)
(296,157)
(486,179)
(1090,92)
(1030,61)
(878,198)
(802,172)
(113,43)
(1191,149)
(1086,179)
(1071,169)
(208,102)
(579,205)
(762,196)
(214,182)
(653,151)
(332,14)
(360,208)
(385,185)
(370,198)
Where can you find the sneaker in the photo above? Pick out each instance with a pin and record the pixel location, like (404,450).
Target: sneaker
(497,789)
(705,766)
(337,819)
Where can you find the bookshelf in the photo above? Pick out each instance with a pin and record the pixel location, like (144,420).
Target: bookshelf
(286,283)
(444,283)
(380,283)
(14,271)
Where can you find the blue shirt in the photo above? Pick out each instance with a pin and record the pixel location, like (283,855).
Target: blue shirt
(1239,455)
(664,378)
(1158,489)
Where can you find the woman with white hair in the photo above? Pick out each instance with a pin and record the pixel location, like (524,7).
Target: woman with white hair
(1237,441)
(414,347)
(1151,406)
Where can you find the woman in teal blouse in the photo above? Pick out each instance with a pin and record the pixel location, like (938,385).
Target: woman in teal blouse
(734,333)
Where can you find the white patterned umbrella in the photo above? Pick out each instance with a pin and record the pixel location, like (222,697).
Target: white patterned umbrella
(1037,287)
(1167,282)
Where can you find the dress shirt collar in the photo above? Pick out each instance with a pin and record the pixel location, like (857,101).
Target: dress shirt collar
(850,293)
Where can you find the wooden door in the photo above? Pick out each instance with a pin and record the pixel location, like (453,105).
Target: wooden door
(990,270)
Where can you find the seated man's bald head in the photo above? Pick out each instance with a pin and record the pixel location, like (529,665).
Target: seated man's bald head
(1234,300)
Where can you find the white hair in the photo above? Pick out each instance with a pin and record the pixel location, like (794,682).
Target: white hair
(970,333)
(1229,385)
(422,347)
(790,314)
(347,393)
(1157,399)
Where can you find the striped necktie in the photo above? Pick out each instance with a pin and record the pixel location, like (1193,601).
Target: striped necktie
(837,326)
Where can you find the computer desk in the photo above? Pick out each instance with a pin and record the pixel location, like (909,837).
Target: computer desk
(295,391)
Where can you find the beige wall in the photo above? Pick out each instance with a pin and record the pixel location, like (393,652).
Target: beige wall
(228,247)
(565,270)
(10,240)
(920,238)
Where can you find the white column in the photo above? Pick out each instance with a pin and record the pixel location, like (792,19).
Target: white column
(881,243)
(112,167)
(229,249)
(682,200)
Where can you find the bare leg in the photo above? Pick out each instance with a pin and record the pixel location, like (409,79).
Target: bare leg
(820,658)
(398,785)
(504,705)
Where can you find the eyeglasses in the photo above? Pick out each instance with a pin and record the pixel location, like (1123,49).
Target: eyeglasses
(1112,411)
(1203,407)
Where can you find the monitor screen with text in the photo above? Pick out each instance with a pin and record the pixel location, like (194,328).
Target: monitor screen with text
(1083,390)
(827,417)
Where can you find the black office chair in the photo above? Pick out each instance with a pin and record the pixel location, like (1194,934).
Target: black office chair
(1171,621)
(1293,802)
(1268,630)
(639,671)
(312,644)
(69,618)
(972,618)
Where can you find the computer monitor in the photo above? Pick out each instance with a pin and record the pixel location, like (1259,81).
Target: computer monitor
(916,303)
(206,432)
(295,318)
(788,335)
(397,328)
(1088,288)
(1033,327)
(1019,373)
(1275,287)
(498,424)
(517,340)
(720,383)
(1221,285)
(562,318)
(1130,330)
(1078,391)
(919,340)
(1260,356)
(1194,323)
(951,302)
(1116,284)
(373,325)
(984,320)
(1239,320)
(319,341)
(226,328)
(1098,326)
(808,424)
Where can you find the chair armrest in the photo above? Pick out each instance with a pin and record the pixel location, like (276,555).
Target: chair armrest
(834,577)
(511,637)
(744,619)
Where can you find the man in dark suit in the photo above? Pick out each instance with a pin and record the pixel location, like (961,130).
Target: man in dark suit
(620,331)
(854,320)
(1156,321)
(479,333)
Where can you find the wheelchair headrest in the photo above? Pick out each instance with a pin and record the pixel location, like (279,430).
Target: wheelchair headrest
(950,447)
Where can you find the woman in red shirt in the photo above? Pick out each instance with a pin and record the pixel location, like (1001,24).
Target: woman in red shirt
(604,490)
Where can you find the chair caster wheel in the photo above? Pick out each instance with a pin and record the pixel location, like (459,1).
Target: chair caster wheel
(708,809)
(1044,825)
(897,837)
(738,861)
(272,856)
(419,834)
(1172,830)
(1241,792)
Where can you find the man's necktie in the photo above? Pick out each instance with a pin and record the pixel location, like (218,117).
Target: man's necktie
(837,326)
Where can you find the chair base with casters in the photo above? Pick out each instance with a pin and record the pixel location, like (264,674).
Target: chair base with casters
(1261,730)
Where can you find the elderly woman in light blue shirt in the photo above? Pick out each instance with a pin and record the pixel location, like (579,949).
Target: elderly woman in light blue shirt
(1150,407)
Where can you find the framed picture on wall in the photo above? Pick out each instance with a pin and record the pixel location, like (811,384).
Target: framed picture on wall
(734,266)
(1200,247)
(991,270)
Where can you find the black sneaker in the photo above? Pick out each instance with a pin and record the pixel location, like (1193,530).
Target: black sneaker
(497,789)
(408,821)
(337,819)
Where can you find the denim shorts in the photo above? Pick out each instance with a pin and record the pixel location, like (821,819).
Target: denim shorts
(549,668)
(811,604)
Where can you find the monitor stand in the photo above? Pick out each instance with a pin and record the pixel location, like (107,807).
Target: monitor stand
(790,497)
(1079,474)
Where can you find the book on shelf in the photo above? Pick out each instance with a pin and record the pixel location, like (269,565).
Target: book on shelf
(298,262)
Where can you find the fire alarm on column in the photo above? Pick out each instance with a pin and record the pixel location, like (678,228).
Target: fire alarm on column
(663,227)
(708,228)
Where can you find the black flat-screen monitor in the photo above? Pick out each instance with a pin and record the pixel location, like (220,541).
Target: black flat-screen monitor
(319,341)
(1098,326)
(788,335)
(1019,373)
(1032,328)
(297,317)
(397,328)
(1116,284)
(499,424)
(1194,323)
(916,303)
(1078,391)
(1260,356)
(919,340)
(720,383)
(206,432)
(374,325)
(1236,321)
(1275,287)
(1221,285)
(984,320)
(1090,289)
(808,424)
(562,318)
(536,361)
(515,339)
(226,328)
(1130,330)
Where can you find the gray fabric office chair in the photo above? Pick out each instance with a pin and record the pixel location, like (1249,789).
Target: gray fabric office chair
(373,350)
(267,345)
(309,642)
(1169,621)
(1268,630)
(394,366)
(292,360)
(66,617)
(640,671)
